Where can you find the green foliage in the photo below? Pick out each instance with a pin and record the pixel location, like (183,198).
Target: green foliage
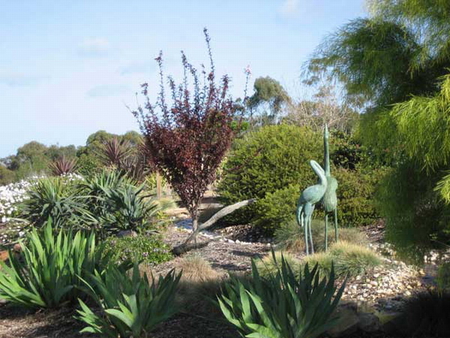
(277,208)
(283,304)
(415,215)
(427,20)
(55,198)
(271,92)
(131,305)
(426,314)
(147,249)
(356,193)
(372,59)
(443,276)
(49,273)
(272,158)
(6,176)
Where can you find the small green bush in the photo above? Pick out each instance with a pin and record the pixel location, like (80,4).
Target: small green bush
(49,274)
(353,259)
(443,276)
(131,305)
(270,264)
(282,304)
(142,248)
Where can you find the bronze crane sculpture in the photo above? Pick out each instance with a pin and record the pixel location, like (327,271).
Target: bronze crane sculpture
(306,203)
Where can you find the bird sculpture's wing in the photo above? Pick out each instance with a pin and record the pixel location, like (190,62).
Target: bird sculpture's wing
(312,194)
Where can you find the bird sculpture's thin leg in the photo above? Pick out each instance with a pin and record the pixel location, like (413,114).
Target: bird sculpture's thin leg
(310,229)
(336,231)
(326,231)
(310,234)
(305,229)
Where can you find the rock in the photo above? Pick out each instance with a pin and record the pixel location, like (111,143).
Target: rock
(347,323)
(368,322)
(127,233)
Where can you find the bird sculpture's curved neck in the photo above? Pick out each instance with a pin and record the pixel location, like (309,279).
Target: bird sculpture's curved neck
(326,155)
(319,172)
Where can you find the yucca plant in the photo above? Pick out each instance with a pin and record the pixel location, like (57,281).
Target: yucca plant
(63,166)
(54,198)
(131,305)
(49,272)
(282,305)
(117,203)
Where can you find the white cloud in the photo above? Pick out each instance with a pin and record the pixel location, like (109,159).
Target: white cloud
(290,8)
(95,47)
(108,90)
(13,79)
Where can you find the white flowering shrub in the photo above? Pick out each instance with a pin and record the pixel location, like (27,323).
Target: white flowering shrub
(13,194)
(10,196)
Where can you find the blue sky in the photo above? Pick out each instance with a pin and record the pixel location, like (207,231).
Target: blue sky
(69,68)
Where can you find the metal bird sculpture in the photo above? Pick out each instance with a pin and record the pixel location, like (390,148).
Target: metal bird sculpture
(329,200)
(306,203)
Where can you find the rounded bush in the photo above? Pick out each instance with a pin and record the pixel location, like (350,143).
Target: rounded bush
(264,161)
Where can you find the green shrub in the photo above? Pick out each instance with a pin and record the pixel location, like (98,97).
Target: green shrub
(356,195)
(49,274)
(148,249)
(290,236)
(426,314)
(131,305)
(277,208)
(443,276)
(282,304)
(267,160)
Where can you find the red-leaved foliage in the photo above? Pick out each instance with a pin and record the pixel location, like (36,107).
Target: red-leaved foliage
(188,134)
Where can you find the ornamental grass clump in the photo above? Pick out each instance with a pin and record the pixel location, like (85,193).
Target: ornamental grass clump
(131,305)
(49,271)
(282,305)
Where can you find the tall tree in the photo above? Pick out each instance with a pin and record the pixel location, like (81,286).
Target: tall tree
(187,136)
(268,93)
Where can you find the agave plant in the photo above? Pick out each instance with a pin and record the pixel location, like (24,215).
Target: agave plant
(49,273)
(282,305)
(132,305)
(63,166)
